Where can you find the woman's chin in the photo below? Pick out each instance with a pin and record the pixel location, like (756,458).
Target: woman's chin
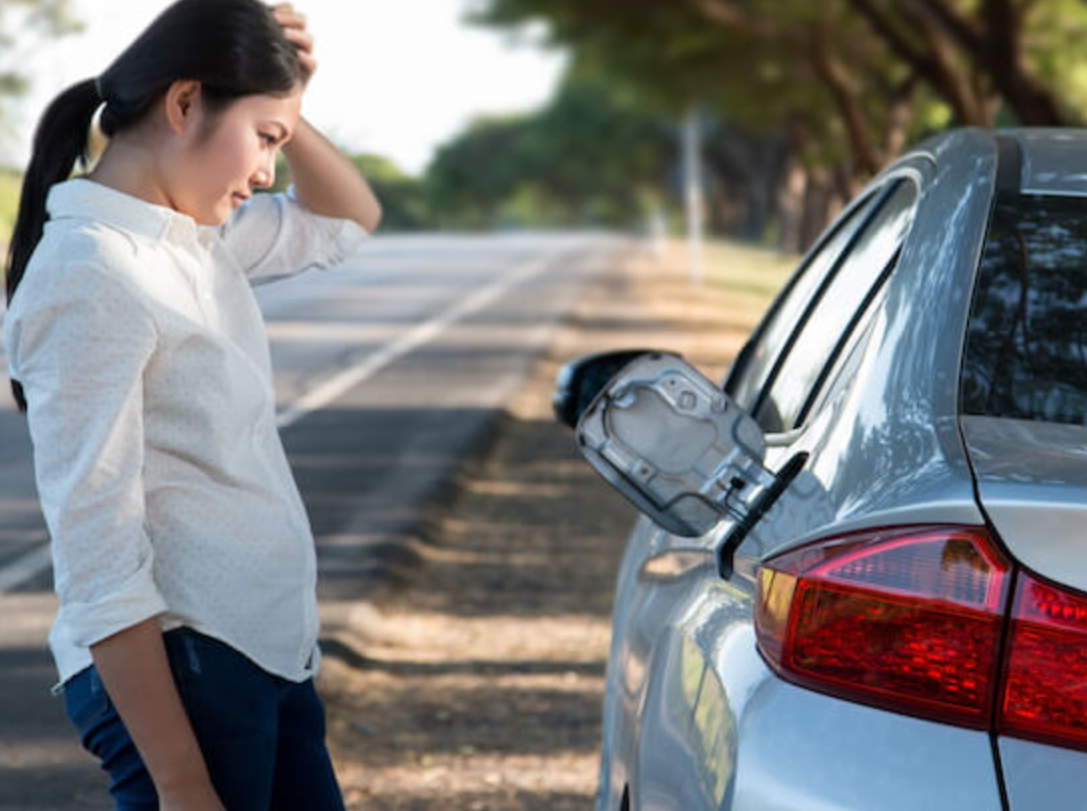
(216,217)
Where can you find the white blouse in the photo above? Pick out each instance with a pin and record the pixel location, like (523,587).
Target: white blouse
(162,478)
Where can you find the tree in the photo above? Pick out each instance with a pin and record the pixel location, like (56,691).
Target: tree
(770,78)
(764,64)
(973,54)
(849,81)
(863,61)
(585,158)
(403,197)
(472,174)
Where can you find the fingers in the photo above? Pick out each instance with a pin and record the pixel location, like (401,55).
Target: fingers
(286,14)
(308,63)
(293,24)
(301,39)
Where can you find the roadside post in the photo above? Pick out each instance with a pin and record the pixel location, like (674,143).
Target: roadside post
(692,174)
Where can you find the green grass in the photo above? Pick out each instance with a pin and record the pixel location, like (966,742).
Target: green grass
(10,187)
(745,268)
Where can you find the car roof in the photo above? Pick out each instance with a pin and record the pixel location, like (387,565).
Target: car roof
(1052,161)
(1033,160)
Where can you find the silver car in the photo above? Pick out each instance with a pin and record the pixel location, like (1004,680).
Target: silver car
(862,581)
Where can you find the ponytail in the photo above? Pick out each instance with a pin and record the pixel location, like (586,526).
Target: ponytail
(60,139)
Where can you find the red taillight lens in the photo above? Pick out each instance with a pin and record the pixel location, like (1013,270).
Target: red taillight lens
(1045,687)
(908,619)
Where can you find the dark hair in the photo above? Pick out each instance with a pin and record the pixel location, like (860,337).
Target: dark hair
(234,48)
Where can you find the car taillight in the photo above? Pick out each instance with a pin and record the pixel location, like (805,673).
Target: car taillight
(1045,682)
(908,619)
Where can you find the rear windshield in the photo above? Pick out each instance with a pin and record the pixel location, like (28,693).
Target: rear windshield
(1026,352)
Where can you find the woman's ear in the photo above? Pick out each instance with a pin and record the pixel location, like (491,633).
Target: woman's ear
(182,102)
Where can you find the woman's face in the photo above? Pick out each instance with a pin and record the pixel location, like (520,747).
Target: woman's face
(232,153)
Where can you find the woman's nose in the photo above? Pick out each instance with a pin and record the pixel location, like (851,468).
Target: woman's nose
(265,176)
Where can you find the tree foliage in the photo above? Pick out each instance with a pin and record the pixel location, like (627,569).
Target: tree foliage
(850,80)
(403,197)
(585,158)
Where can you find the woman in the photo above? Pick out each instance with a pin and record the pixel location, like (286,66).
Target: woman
(183,558)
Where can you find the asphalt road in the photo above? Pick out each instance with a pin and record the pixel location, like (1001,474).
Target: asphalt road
(389,371)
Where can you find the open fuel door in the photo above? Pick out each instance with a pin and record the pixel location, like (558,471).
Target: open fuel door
(680,450)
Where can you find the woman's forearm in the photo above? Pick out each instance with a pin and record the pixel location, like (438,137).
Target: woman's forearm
(326,182)
(136,673)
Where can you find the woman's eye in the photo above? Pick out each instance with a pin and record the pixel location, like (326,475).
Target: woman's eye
(268,139)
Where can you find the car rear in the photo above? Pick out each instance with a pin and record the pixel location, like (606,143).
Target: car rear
(1024,423)
(700,713)
(924,646)
(979,625)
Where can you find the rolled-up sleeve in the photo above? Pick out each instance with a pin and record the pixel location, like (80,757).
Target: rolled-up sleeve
(80,357)
(273,236)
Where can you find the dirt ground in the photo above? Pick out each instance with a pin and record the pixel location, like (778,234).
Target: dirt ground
(478,682)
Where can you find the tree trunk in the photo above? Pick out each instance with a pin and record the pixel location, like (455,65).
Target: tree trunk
(898,122)
(814,50)
(994,44)
(1034,105)
(790,209)
(936,66)
(967,97)
(820,204)
(856,124)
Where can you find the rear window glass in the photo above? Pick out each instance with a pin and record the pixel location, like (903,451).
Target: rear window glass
(1026,351)
(828,326)
(788,311)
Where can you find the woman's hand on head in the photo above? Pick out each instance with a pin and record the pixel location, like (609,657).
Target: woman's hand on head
(293,24)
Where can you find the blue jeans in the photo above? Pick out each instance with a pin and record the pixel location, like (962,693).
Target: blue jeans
(263,737)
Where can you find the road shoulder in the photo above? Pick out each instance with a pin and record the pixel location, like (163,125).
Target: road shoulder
(475,680)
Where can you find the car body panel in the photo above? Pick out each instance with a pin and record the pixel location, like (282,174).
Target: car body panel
(1054,161)
(1032,477)
(719,728)
(1040,776)
(694,718)
(884,438)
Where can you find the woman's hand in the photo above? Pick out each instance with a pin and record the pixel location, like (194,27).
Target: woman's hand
(293,24)
(324,180)
(136,673)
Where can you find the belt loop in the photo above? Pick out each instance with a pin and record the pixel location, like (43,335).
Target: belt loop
(190,651)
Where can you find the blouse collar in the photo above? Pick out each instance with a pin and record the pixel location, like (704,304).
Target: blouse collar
(88,199)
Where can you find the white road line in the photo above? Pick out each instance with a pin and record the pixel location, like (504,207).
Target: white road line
(25,567)
(339,384)
(31,564)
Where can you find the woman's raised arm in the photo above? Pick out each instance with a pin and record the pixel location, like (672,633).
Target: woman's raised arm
(326,182)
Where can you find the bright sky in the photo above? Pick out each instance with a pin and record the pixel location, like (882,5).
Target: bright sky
(395,77)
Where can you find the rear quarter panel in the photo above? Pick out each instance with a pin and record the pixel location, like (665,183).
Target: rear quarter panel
(719,730)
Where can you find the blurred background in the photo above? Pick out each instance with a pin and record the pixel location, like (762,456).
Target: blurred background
(485,114)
